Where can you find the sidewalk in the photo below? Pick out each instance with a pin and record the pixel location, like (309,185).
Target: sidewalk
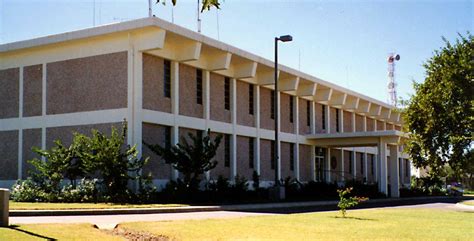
(314,205)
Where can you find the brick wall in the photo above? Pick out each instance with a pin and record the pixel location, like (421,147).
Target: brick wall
(359,123)
(9,158)
(187,92)
(243,116)
(32,90)
(217,108)
(303,122)
(155,135)
(31,138)
(370,124)
(153,84)
(9,93)
(347,121)
(305,163)
(243,166)
(266,173)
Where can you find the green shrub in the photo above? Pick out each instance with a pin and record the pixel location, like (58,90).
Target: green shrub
(26,191)
(85,191)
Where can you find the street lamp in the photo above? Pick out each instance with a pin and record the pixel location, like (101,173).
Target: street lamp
(279,192)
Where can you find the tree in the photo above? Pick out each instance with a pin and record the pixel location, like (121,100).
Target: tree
(439,116)
(191,160)
(206,4)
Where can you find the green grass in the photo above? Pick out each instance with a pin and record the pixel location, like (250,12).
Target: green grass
(67,232)
(470,203)
(378,224)
(62,206)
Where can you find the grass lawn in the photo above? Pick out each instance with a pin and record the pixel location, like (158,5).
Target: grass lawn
(379,224)
(67,232)
(56,206)
(470,203)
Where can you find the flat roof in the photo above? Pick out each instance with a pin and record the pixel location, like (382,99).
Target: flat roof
(162,24)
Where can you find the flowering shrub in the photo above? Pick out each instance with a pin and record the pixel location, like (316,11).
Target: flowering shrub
(346,201)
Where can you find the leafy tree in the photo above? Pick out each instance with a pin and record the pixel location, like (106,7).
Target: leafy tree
(206,4)
(192,160)
(439,116)
(346,201)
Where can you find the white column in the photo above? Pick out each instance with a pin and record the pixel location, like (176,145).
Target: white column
(206,78)
(137,102)
(382,167)
(328,119)
(394,175)
(341,120)
(175,109)
(365,123)
(297,133)
(233,109)
(43,107)
(257,126)
(353,122)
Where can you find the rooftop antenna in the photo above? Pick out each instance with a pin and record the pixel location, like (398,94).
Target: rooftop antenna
(299,59)
(217,16)
(150,12)
(392,91)
(198,17)
(93,13)
(172,14)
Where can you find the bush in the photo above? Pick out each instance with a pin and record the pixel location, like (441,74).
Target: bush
(365,190)
(430,185)
(85,191)
(26,191)
(345,201)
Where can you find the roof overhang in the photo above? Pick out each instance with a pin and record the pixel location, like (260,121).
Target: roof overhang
(354,139)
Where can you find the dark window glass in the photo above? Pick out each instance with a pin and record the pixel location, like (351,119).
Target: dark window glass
(308,113)
(407,167)
(167,78)
(291,109)
(199,133)
(227,93)
(251,99)
(272,159)
(372,164)
(227,151)
(323,118)
(292,156)
(350,162)
(361,163)
(199,86)
(168,136)
(337,120)
(272,103)
(251,152)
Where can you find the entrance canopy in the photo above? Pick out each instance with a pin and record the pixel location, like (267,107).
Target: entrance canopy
(354,139)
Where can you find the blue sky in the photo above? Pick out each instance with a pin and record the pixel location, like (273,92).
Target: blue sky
(344,42)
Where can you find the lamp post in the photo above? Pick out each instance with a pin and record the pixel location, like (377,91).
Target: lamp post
(279,192)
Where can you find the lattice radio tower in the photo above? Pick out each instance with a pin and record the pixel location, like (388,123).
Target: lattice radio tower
(392,91)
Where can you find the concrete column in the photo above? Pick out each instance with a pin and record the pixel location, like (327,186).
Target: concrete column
(257,127)
(207,96)
(233,109)
(382,167)
(394,174)
(353,122)
(328,119)
(175,109)
(365,123)
(312,113)
(20,131)
(137,102)
(4,208)
(341,120)
(297,133)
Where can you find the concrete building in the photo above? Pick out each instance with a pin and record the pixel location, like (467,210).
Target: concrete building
(168,81)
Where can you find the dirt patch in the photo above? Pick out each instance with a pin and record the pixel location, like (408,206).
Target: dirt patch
(133,235)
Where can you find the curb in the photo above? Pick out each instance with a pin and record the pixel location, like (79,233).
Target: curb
(460,205)
(318,205)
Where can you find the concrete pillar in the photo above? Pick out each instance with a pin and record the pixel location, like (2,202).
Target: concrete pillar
(382,166)
(233,108)
(394,175)
(4,209)
(328,119)
(175,109)
(257,126)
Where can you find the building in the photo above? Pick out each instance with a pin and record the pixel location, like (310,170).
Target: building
(168,81)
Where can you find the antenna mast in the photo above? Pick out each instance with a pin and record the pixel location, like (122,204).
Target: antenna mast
(392,91)
(150,13)
(198,16)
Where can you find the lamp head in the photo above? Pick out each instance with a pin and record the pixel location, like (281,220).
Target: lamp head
(285,38)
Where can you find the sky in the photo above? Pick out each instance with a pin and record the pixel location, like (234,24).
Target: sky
(343,42)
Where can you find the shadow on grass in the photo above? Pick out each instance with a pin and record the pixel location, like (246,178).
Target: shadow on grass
(17,228)
(356,218)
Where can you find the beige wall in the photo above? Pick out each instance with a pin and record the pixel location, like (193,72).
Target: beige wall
(32,90)
(217,108)
(305,163)
(332,113)
(318,115)
(153,85)
(303,123)
(370,124)
(9,93)
(31,138)
(265,109)
(243,166)
(266,173)
(9,157)
(285,161)
(155,135)
(380,126)
(87,84)
(243,116)
(347,165)
(359,123)
(187,92)
(347,121)
(221,169)
(65,133)
(286,125)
